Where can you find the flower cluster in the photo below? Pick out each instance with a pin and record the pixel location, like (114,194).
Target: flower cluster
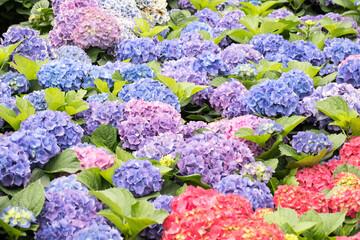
(258,171)
(17,81)
(347,179)
(272,98)
(244,71)
(98,232)
(350,151)
(59,124)
(194,45)
(347,197)
(230,20)
(269,44)
(213,156)
(149,90)
(147,119)
(37,100)
(38,144)
(210,63)
(317,178)
(139,50)
(138,176)
(196,26)
(10,103)
(65,183)
(189,129)
(299,82)
(72,52)
(280,13)
(17,216)
(236,54)
(169,50)
(268,128)
(338,49)
(137,72)
(100,98)
(310,142)
(14,164)
(125,9)
(5,90)
(93,157)
(256,192)
(349,73)
(208,16)
(98,72)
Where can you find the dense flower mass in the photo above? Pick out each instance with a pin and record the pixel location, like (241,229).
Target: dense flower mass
(317,178)
(349,73)
(350,151)
(236,54)
(299,82)
(139,50)
(137,72)
(37,100)
(65,183)
(93,157)
(98,232)
(347,197)
(338,49)
(17,216)
(72,52)
(310,142)
(17,82)
(258,171)
(10,103)
(268,128)
(138,176)
(269,44)
(210,63)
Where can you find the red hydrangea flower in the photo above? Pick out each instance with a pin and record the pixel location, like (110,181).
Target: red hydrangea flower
(347,197)
(316,178)
(351,151)
(260,213)
(347,179)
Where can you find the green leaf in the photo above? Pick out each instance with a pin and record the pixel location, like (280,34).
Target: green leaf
(194,180)
(5,52)
(170,188)
(105,136)
(117,220)
(93,53)
(154,65)
(216,82)
(251,23)
(150,196)
(55,98)
(11,230)
(39,174)
(142,24)
(117,77)
(346,168)
(332,107)
(317,231)
(283,218)
(10,117)
(73,96)
(102,86)
(289,123)
(163,169)
(76,107)
(274,183)
(108,173)
(273,163)
(32,198)
(117,87)
(25,108)
(26,66)
(154,31)
(123,155)
(355,126)
(181,190)
(290,179)
(205,35)
(309,161)
(174,34)
(65,161)
(169,82)
(325,80)
(247,133)
(92,179)
(331,221)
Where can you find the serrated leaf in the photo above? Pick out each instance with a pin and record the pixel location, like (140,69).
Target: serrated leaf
(289,123)
(92,179)
(55,98)
(216,82)
(284,218)
(331,221)
(169,188)
(169,82)
(65,161)
(123,155)
(346,168)
(10,117)
(142,24)
(105,136)
(247,133)
(39,174)
(273,163)
(194,180)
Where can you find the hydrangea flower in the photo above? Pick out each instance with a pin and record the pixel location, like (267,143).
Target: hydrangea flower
(14,164)
(272,98)
(140,50)
(299,82)
(260,213)
(159,146)
(138,176)
(256,192)
(268,43)
(210,63)
(137,72)
(98,72)
(10,103)
(350,151)
(303,51)
(17,216)
(98,232)
(32,47)
(147,119)
(5,90)
(61,184)
(155,231)
(157,13)
(149,90)
(212,156)
(189,129)
(236,54)
(280,13)
(327,69)
(230,20)
(126,9)
(347,197)
(317,178)
(100,98)
(194,46)
(59,124)
(17,82)
(338,49)
(206,15)
(94,157)
(347,179)
(349,73)
(310,142)
(196,26)
(169,50)
(65,74)
(244,71)
(268,128)
(37,100)
(72,52)
(39,145)
(186,4)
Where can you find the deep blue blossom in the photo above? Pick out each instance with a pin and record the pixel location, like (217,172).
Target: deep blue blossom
(37,100)
(236,54)
(268,128)
(137,72)
(59,124)
(169,50)
(17,82)
(299,82)
(327,69)
(210,63)
(65,183)
(310,142)
(65,74)
(17,216)
(149,90)
(100,98)
(98,232)
(72,52)
(272,98)
(98,72)
(349,72)
(10,103)
(256,192)
(258,171)
(138,176)
(14,164)
(305,52)
(338,49)
(269,44)
(140,50)
(197,26)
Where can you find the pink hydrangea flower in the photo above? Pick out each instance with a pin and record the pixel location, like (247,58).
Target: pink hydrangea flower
(347,197)
(316,178)
(94,157)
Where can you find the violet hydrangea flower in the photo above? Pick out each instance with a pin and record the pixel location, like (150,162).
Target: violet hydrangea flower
(140,50)
(10,103)
(65,183)
(206,15)
(99,72)
(17,216)
(338,49)
(268,128)
(5,90)
(169,50)
(280,13)
(72,52)
(98,232)
(37,100)
(197,26)
(299,82)
(210,63)
(194,46)
(138,176)
(17,82)
(310,142)
(100,98)
(269,44)
(236,54)
(189,129)
(349,73)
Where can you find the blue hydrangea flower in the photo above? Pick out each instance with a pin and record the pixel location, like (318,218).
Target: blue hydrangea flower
(256,192)
(33,47)
(194,46)
(268,128)
(208,16)
(338,49)
(299,82)
(197,26)
(236,54)
(155,231)
(280,13)
(305,52)
(272,98)
(17,216)
(65,74)
(100,98)
(98,72)
(65,183)
(59,124)
(72,52)
(149,90)
(98,232)
(37,100)
(140,177)
(10,103)
(17,82)
(169,50)
(245,71)
(14,164)
(213,156)
(327,69)
(39,145)
(258,171)
(310,142)
(269,44)
(349,72)
(5,90)
(159,146)
(230,20)
(140,50)
(137,72)
(210,63)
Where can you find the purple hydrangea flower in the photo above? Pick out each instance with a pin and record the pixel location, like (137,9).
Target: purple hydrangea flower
(258,171)
(210,63)
(349,73)
(59,124)
(140,177)
(310,142)
(38,144)
(140,50)
(99,72)
(197,26)
(17,82)
(189,129)
(72,52)
(272,98)
(208,16)
(244,71)
(61,184)
(327,69)
(100,98)
(169,50)
(230,20)
(186,4)
(65,74)
(14,164)
(149,90)
(269,44)
(17,216)
(5,90)
(194,46)
(280,13)
(213,156)
(159,146)
(37,100)
(98,232)
(338,49)
(137,72)
(256,192)
(268,128)
(236,54)
(10,103)
(299,82)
